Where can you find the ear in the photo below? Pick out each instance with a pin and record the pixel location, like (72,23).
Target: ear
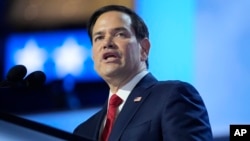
(145,47)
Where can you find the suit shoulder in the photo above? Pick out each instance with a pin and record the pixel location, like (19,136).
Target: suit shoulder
(175,83)
(177,86)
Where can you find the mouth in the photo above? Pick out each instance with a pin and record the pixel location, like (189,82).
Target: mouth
(110,55)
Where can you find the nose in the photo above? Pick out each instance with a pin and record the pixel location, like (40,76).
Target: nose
(108,43)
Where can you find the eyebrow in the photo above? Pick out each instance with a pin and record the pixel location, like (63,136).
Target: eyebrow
(97,33)
(113,30)
(120,29)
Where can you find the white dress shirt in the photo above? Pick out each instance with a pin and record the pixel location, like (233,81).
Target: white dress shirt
(124,92)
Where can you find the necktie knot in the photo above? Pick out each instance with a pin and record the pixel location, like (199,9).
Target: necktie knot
(115,100)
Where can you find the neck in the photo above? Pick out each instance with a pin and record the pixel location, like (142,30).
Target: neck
(116,83)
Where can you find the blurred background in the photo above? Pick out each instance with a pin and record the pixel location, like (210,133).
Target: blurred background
(203,42)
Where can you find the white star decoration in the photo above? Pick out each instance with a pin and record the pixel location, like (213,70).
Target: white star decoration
(31,56)
(69,58)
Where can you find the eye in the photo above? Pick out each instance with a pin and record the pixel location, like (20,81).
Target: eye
(121,34)
(97,38)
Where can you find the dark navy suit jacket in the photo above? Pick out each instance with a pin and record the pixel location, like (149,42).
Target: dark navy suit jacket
(168,111)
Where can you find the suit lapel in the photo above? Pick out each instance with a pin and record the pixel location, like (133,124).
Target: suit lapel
(93,124)
(130,107)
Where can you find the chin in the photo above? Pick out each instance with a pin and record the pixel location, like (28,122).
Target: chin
(110,72)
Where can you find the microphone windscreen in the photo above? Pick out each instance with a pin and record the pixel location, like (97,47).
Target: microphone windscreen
(16,73)
(35,79)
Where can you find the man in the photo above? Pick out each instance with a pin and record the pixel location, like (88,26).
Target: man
(150,110)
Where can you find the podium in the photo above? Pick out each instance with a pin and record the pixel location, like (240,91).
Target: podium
(14,128)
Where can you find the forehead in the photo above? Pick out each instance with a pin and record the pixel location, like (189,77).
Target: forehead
(112,19)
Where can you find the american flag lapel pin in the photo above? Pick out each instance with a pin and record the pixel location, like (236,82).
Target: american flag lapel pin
(138,99)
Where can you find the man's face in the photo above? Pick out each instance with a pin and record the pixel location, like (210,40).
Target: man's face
(116,51)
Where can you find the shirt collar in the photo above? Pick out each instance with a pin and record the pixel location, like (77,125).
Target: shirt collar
(125,90)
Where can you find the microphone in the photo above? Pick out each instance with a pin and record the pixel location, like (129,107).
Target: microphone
(14,77)
(35,79)
(16,73)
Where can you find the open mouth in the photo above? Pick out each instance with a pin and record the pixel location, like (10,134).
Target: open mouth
(110,55)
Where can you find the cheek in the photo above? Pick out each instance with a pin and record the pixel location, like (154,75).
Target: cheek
(94,55)
(132,53)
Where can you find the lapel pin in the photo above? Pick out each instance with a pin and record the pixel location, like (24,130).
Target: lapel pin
(138,99)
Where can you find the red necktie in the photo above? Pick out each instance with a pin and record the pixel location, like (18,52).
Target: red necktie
(114,102)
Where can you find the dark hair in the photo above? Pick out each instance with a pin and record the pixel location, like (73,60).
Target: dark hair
(140,28)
